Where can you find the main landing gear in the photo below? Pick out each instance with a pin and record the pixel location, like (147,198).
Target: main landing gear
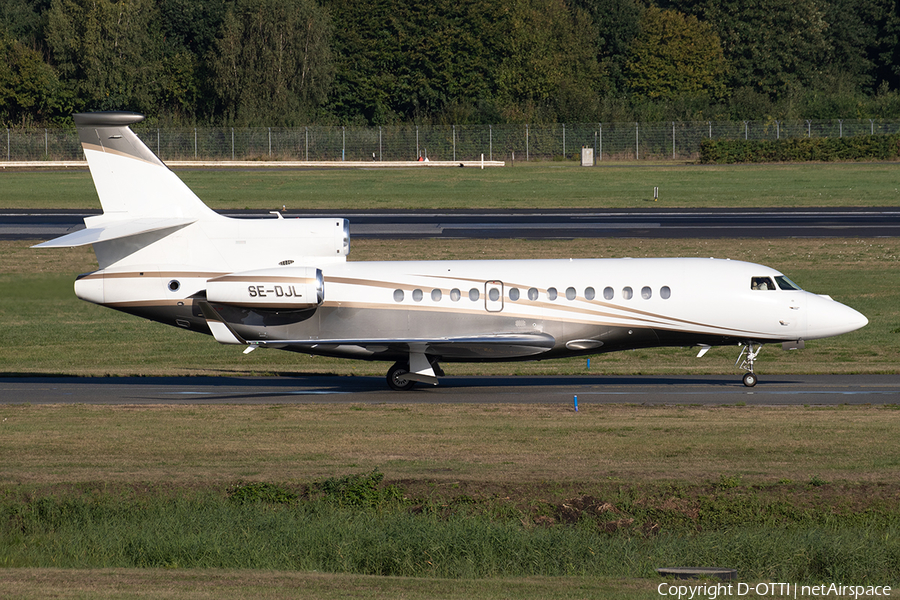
(420,368)
(397,377)
(745,361)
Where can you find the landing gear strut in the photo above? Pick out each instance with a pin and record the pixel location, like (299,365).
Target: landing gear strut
(745,361)
(396,377)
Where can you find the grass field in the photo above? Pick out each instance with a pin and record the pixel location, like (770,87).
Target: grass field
(541,185)
(588,504)
(478,501)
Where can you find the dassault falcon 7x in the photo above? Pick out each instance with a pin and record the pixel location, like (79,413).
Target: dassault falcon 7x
(286,284)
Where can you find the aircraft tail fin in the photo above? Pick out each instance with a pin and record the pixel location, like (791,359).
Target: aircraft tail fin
(131,181)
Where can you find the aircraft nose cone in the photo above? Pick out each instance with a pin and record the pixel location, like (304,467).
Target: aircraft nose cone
(828,317)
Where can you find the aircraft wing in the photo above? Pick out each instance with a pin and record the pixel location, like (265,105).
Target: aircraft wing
(114,230)
(491,345)
(497,345)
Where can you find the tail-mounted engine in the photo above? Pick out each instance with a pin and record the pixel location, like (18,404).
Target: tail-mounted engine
(283,288)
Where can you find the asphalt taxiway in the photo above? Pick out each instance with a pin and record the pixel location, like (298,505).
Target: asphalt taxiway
(687,390)
(543,224)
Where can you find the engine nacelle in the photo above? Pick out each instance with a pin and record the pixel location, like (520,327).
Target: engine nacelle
(281,288)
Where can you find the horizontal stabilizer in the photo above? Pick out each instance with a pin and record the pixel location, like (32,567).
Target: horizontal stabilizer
(115,230)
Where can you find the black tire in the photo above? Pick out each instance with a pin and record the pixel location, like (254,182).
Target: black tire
(750,379)
(396,380)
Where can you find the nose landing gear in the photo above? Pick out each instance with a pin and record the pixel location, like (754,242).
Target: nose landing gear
(745,361)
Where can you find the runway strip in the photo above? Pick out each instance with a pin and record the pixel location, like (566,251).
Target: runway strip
(772,390)
(544,224)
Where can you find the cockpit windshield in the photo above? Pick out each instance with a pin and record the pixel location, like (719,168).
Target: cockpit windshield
(786,284)
(762,283)
(765,283)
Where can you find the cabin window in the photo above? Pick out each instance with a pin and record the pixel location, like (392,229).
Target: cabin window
(417,295)
(786,284)
(589,293)
(473,294)
(608,293)
(513,294)
(551,294)
(570,293)
(664,292)
(398,295)
(761,283)
(455,294)
(532,294)
(646,292)
(627,293)
(494,294)
(174,285)
(436,295)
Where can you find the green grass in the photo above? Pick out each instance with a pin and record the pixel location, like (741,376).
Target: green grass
(207,531)
(475,450)
(537,185)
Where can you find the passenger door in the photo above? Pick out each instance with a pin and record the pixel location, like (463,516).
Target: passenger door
(493,296)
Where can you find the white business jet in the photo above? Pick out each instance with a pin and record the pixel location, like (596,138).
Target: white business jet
(286,284)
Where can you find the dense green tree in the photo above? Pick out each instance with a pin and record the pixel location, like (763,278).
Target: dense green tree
(443,61)
(615,25)
(189,30)
(854,41)
(675,56)
(776,47)
(272,62)
(516,60)
(29,87)
(108,53)
(547,72)
(23,20)
(414,60)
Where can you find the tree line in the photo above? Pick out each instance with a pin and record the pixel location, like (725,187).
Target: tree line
(295,62)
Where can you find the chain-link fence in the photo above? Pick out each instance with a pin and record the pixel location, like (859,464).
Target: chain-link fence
(610,141)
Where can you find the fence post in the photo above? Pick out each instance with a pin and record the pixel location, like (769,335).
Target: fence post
(195,143)
(841,128)
(418,153)
(46,144)
(600,125)
(777,130)
(595,146)
(491,142)
(872,124)
(746,130)
(564,140)
(454,142)
(710,128)
(673,140)
(808,129)
(343,142)
(380,157)
(637,152)
(307,143)
(157,141)
(526,143)
(232,143)
(7,145)
(270,141)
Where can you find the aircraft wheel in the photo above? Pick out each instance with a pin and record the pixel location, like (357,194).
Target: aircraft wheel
(396,379)
(750,379)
